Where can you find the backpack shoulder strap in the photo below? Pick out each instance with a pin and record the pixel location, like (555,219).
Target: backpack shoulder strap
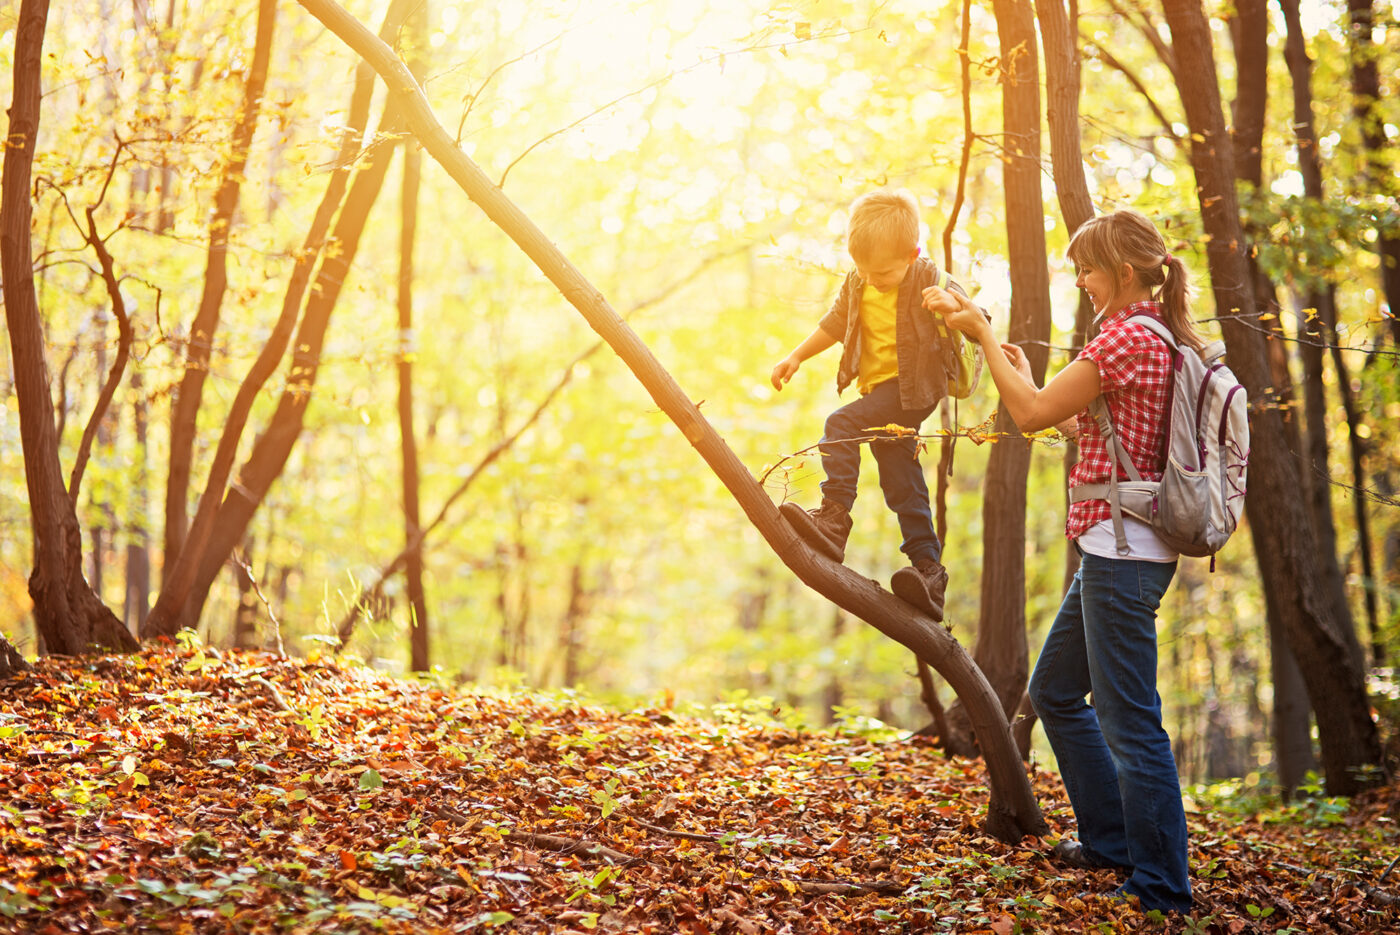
(1156,326)
(1098,409)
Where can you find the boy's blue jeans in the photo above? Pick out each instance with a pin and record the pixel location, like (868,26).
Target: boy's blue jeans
(901,474)
(1116,757)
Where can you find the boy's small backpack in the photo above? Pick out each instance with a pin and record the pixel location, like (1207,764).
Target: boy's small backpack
(962,358)
(1196,505)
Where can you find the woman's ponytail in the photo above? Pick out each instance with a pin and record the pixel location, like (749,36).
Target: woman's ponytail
(1175,298)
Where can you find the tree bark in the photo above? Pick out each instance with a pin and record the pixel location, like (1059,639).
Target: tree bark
(1366,98)
(200,340)
(11,662)
(138,547)
(1001,651)
(1316,333)
(1336,685)
(69,617)
(245,616)
(1013,811)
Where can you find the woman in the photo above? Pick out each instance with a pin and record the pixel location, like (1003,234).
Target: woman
(1115,756)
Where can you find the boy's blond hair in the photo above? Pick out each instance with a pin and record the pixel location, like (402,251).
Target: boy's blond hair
(883,221)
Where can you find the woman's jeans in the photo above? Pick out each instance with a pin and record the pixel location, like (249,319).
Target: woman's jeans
(1115,756)
(901,474)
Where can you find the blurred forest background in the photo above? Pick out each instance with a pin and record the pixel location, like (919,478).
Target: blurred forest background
(695,161)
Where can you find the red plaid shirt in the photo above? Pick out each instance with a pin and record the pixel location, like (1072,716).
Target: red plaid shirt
(1135,376)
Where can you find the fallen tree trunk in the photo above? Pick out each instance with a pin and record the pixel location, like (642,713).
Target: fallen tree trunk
(1013,811)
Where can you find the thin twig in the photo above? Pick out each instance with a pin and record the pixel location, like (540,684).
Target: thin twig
(975,432)
(267,605)
(664,79)
(1370,892)
(562,845)
(278,702)
(682,835)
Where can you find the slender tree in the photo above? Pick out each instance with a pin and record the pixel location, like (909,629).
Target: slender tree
(1001,651)
(408,226)
(68,614)
(1058,30)
(1379,151)
(200,340)
(1291,724)
(1317,330)
(1335,683)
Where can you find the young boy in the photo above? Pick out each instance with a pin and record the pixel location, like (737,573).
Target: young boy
(902,359)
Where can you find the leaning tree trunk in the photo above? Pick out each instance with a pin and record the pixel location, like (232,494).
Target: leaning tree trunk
(1336,685)
(1013,811)
(68,615)
(1001,650)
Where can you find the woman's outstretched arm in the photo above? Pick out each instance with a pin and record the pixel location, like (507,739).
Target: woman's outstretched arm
(1034,408)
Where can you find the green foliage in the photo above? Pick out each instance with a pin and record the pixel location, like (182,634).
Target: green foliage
(697,172)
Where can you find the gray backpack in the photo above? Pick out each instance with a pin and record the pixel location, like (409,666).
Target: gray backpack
(1196,505)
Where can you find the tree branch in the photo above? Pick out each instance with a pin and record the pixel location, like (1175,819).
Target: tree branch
(124,334)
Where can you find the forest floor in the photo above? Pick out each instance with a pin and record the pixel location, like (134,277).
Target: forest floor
(187,790)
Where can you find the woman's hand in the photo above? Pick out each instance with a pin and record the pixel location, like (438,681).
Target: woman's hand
(957,310)
(1018,359)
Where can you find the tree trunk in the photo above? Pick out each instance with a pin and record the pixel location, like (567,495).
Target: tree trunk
(1001,650)
(1366,99)
(1314,334)
(1336,685)
(1321,331)
(11,662)
(245,616)
(97,530)
(408,208)
(570,630)
(1062,85)
(138,546)
(200,340)
(1291,725)
(1289,730)
(69,616)
(1012,812)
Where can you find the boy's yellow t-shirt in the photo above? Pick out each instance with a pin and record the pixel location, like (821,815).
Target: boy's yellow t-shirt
(878,360)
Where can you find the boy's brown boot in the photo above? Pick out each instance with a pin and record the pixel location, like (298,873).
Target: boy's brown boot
(825,529)
(923,584)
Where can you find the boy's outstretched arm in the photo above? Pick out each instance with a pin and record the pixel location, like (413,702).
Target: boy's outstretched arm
(815,343)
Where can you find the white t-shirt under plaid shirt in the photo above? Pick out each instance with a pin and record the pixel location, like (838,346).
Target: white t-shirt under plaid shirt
(1135,377)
